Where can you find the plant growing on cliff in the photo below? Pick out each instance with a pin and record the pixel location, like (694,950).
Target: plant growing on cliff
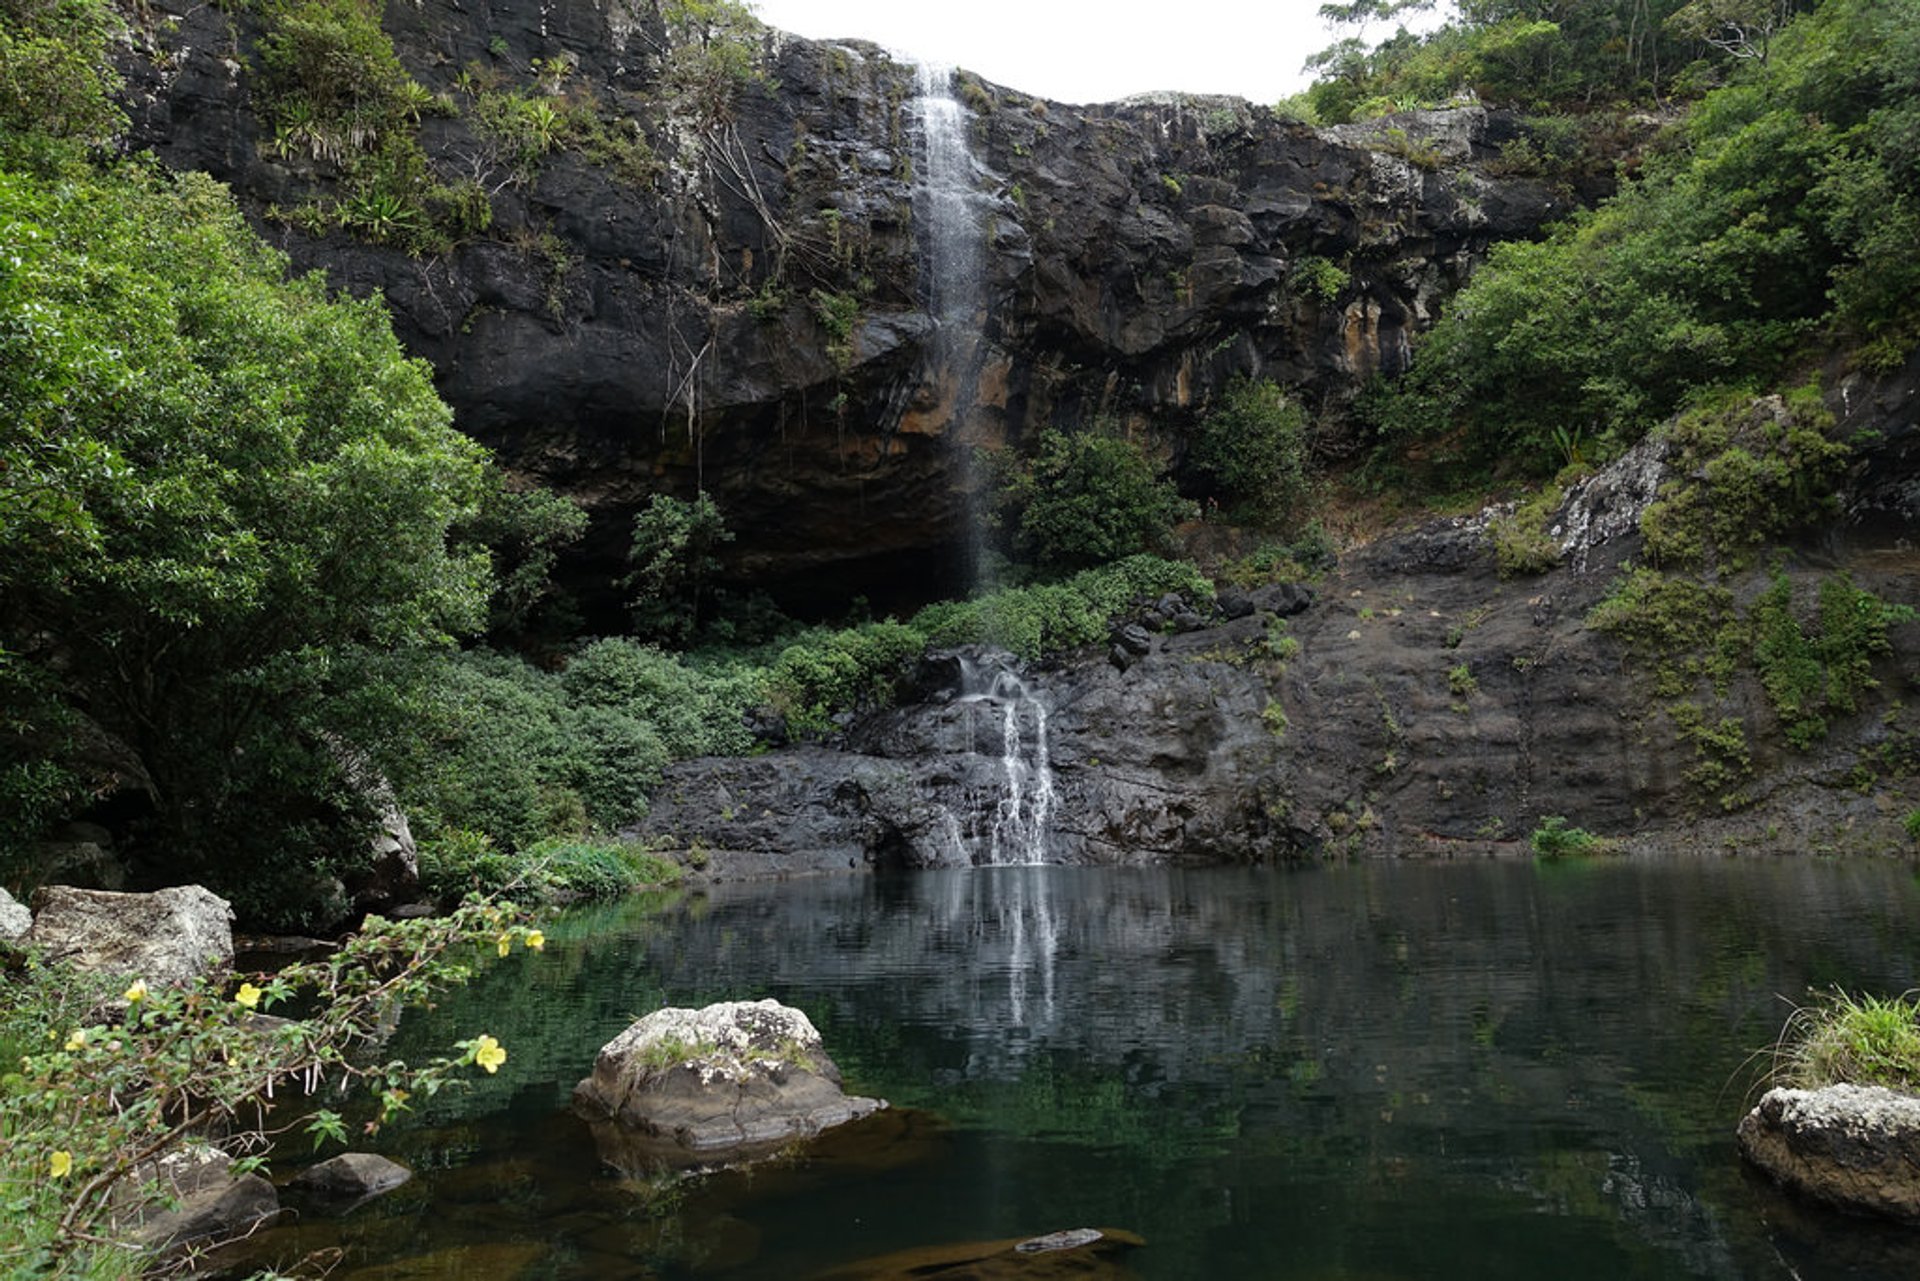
(1252,450)
(1554,839)
(104,1078)
(1085,498)
(674,555)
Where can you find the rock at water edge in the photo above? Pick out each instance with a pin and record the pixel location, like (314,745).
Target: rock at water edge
(15,919)
(1853,1146)
(169,936)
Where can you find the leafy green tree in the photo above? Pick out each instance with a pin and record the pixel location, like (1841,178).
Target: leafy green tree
(675,562)
(1086,498)
(1253,449)
(1776,223)
(218,487)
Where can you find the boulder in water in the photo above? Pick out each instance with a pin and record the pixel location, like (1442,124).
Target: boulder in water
(713,1086)
(1853,1146)
(351,1177)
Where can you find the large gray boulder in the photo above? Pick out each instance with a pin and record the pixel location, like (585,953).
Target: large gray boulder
(1853,1146)
(713,1086)
(168,936)
(15,919)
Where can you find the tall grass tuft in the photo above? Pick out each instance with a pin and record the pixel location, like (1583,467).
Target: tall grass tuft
(1838,1038)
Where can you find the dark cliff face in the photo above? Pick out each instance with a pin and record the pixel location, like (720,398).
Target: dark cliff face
(753,318)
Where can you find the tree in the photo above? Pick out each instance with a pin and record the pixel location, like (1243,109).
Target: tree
(674,561)
(1087,498)
(1253,449)
(219,488)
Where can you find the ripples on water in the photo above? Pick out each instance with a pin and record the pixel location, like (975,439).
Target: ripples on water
(1371,1071)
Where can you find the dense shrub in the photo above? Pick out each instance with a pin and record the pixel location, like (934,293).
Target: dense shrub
(1784,215)
(1252,450)
(219,490)
(1086,498)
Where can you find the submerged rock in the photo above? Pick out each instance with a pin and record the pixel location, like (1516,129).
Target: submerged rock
(713,1086)
(351,1177)
(1853,1146)
(169,936)
(1075,1252)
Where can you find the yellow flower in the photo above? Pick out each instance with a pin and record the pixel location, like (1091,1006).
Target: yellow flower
(248,995)
(136,993)
(536,940)
(506,943)
(60,1164)
(77,1039)
(488,1054)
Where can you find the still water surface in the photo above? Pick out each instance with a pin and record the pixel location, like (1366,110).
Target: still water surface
(1382,1070)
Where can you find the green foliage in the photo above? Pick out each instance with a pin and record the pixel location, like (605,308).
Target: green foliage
(695,710)
(1910,824)
(331,85)
(1681,628)
(104,1078)
(713,57)
(848,669)
(1521,543)
(1842,1039)
(597,869)
(1083,499)
(57,83)
(838,315)
(1821,668)
(1780,220)
(1319,277)
(219,489)
(1745,472)
(524,530)
(1554,839)
(674,559)
(1051,617)
(1253,450)
(1461,681)
(1274,717)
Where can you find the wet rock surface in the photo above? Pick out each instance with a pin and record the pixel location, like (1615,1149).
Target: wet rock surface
(350,1178)
(1856,1147)
(198,1200)
(1412,701)
(719,1085)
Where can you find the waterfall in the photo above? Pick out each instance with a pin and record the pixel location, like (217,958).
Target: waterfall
(946,208)
(948,211)
(1013,795)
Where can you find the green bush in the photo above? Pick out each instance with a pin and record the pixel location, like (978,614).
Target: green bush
(1780,220)
(1252,450)
(694,710)
(597,869)
(1554,839)
(219,491)
(1745,471)
(1083,499)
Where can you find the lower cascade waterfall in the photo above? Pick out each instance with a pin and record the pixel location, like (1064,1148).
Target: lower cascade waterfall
(1006,823)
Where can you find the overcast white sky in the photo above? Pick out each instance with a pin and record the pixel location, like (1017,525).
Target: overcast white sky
(1086,50)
